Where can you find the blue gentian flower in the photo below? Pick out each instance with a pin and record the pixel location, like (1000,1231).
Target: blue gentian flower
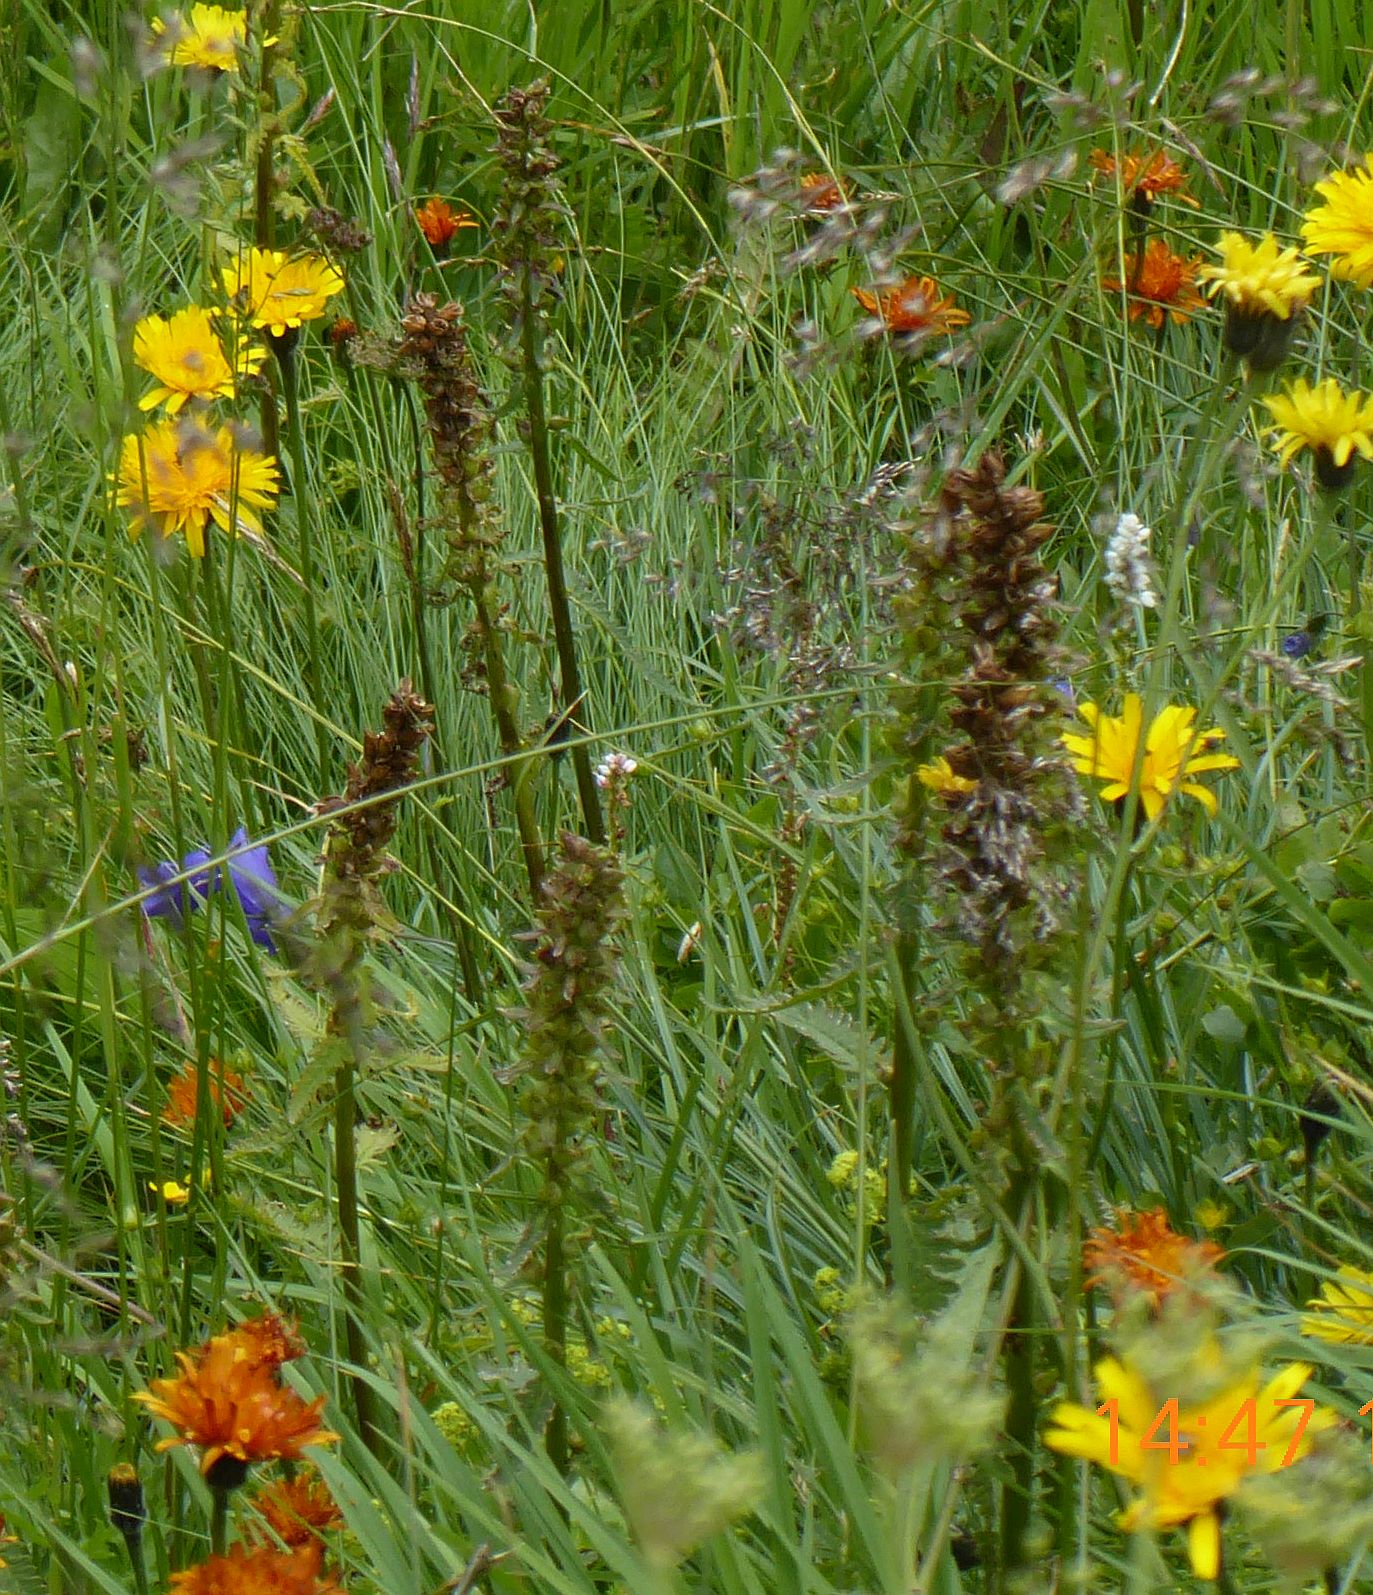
(1297,644)
(169,902)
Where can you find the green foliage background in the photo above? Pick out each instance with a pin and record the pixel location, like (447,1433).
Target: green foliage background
(695,456)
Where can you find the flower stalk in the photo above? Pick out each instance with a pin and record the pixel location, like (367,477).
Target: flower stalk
(525,242)
(351,914)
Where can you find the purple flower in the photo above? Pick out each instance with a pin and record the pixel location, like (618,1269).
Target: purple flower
(1297,644)
(169,902)
(250,873)
(255,886)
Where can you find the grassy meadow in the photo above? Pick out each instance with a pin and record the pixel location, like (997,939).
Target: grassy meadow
(570,1021)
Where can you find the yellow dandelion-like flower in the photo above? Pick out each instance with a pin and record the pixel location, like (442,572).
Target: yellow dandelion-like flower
(1343,1312)
(939,776)
(276,292)
(1342,226)
(1333,424)
(1260,278)
(186,357)
(177,476)
(1186,1459)
(208,37)
(1265,289)
(1171,753)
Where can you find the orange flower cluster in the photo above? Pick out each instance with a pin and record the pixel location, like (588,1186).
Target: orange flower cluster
(298,1511)
(821,193)
(1144,177)
(228,1399)
(1159,285)
(914,306)
(438,221)
(226,1090)
(1144,1254)
(260,1570)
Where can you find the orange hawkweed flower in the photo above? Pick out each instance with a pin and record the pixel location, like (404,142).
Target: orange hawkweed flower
(438,221)
(261,1570)
(225,1089)
(227,1400)
(1144,177)
(1159,285)
(1144,1253)
(821,193)
(266,1341)
(298,1511)
(915,305)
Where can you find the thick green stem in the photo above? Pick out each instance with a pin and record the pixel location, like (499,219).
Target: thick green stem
(501,695)
(286,364)
(346,1195)
(555,1330)
(219,1520)
(559,606)
(264,212)
(901,1086)
(1022,1411)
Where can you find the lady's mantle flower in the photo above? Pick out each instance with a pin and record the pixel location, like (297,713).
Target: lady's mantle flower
(1343,1312)
(1342,225)
(1266,289)
(187,358)
(1145,1255)
(1209,1464)
(914,306)
(1127,563)
(1159,285)
(938,775)
(250,874)
(276,293)
(1169,755)
(176,476)
(1144,178)
(209,37)
(1333,424)
(438,221)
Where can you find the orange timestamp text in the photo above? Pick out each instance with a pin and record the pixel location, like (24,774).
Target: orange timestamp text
(1187,1441)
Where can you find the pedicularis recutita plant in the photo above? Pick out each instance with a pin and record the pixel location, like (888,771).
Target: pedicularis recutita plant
(566,1005)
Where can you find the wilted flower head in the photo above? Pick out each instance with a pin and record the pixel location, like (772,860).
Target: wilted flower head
(1342,224)
(1143,1255)
(1159,286)
(1172,751)
(1128,572)
(678,1489)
